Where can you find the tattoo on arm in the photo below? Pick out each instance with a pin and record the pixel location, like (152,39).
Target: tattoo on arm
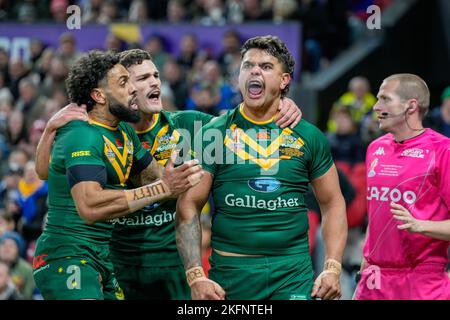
(189,238)
(148,175)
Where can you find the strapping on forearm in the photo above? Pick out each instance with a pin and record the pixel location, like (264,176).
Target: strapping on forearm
(148,194)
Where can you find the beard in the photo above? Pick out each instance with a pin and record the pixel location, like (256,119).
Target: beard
(122,112)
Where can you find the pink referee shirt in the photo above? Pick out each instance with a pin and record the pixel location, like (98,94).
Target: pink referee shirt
(416,174)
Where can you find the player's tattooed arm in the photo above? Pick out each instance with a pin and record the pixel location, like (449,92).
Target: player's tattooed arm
(176,180)
(189,237)
(148,175)
(187,222)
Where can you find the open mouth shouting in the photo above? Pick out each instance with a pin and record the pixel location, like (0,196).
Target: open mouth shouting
(153,96)
(255,89)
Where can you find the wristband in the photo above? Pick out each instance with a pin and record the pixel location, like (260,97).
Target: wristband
(195,274)
(332,266)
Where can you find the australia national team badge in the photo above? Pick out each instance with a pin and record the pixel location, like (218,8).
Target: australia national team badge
(110,154)
(372,172)
(129,146)
(290,147)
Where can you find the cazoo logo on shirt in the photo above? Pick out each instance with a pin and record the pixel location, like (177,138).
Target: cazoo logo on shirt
(388,194)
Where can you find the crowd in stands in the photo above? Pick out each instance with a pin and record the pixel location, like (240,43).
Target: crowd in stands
(328,26)
(32,91)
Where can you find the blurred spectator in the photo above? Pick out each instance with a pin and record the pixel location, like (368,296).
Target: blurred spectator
(17,71)
(176,12)
(439,118)
(359,99)
(312,15)
(30,102)
(31,197)
(27,13)
(214,88)
(21,270)
(214,13)
(5,10)
(58,10)
(12,171)
(204,99)
(253,10)
(16,131)
(174,77)
(17,161)
(55,77)
(5,93)
(230,56)
(8,290)
(138,11)
(285,10)
(114,43)
(235,14)
(345,142)
(108,12)
(35,133)
(42,65)
(7,223)
(188,51)
(91,10)
(156,47)
(4,64)
(36,50)
(67,49)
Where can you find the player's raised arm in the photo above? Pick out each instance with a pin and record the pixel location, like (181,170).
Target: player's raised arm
(69,113)
(97,204)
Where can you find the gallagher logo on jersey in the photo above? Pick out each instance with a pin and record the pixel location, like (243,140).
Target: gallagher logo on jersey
(264,184)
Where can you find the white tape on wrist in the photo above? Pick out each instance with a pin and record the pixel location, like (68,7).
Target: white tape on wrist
(195,274)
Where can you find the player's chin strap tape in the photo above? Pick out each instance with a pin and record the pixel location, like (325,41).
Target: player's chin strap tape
(194,275)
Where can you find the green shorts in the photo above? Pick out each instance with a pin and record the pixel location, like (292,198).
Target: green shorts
(83,273)
(260,278)
(152,283)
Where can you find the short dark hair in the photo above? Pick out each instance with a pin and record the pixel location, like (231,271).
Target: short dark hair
(87,73)
(275,47)
(134,56)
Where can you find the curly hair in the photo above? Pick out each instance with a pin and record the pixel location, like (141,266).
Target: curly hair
(275,47)
(87,73)
(134,56)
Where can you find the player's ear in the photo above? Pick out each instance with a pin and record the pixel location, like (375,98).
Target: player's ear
(285,79)
(98,95)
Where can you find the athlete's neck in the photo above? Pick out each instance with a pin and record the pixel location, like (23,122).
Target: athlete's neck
(147,120)
(261,113)
(106,119)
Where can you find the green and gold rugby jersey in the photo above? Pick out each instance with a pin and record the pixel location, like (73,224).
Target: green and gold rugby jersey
(148,236)
(83,143)
(261,175)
